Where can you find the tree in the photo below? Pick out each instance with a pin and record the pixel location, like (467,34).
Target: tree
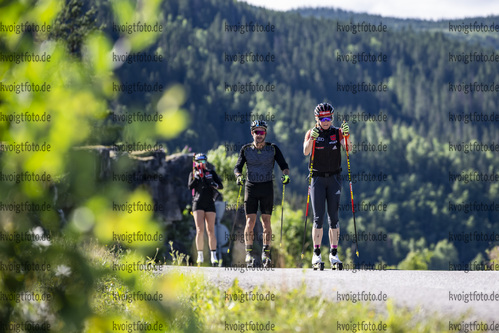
(73,23)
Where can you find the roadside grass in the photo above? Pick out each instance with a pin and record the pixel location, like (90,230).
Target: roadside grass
(294,311)
(109,282)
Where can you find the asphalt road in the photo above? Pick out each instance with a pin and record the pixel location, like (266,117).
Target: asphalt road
(475,295)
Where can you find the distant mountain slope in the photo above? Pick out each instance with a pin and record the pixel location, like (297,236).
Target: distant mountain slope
(446,26)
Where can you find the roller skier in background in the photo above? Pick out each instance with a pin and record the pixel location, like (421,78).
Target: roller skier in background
(326,179)
(259,157)
(204,182)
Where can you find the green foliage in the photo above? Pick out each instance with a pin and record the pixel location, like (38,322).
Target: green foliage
(494,255)
(288,252)
(73,24)
(224,166)
(81,203)
(295,310)
(416,260)
(443,254)
(178,258)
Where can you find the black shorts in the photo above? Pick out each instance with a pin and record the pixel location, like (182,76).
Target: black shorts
(262,193)
(206,205)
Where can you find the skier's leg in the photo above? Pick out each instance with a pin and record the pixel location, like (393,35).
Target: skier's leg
(317,196)
(199,216)
(333,202)
(267,238)
(251,208)
(212,239)
(249,237)
(210,229)
(249,230)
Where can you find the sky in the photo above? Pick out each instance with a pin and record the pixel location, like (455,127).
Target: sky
(422,9)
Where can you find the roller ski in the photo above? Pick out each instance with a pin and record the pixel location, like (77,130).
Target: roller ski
(266,261)
(336,263)
(214,261)
(200,259)
(250,260)
(317,262)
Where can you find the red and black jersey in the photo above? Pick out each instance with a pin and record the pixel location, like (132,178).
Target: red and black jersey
(327,156)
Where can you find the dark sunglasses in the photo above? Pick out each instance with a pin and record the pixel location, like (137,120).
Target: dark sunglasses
(259,132)
(325,119)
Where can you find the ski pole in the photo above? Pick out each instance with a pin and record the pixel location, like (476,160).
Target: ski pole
(282,212)
(351,196)
(193,168)
(193,172)
(308,198)
(235,218)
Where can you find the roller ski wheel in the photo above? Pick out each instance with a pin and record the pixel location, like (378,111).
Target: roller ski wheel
(319,265)
(266,263)
(317,262)
(338,266)
(250,260)
(214,260)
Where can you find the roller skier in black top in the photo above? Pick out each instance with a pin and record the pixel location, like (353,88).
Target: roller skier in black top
(205,182)
(259,157)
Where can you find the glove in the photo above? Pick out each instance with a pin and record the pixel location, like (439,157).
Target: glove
(345,129)
(240,180)
(285,179)
(314,133)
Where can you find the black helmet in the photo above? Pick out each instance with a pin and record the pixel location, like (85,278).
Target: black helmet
(200,157)
(323,110)
(258,123)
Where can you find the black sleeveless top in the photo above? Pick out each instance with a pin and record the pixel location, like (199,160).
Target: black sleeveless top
(327,156)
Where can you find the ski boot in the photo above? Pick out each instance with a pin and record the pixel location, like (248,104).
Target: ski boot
(250,260)
(336,263)
(317,262)
(214,260)
(266,261)
(200,259)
